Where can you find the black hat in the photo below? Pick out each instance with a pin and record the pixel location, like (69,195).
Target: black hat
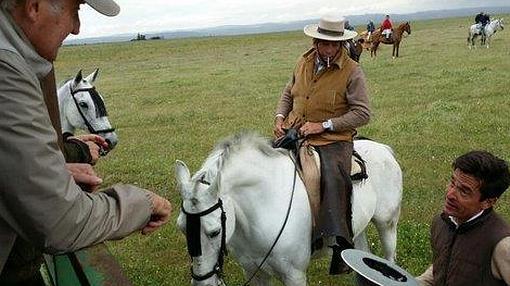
(377,270)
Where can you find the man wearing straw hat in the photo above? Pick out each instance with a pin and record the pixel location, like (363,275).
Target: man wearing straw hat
(326,100)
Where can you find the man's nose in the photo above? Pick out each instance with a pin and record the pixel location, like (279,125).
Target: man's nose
(450,191)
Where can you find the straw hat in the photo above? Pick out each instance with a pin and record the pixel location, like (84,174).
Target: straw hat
(330,28)
(105,7)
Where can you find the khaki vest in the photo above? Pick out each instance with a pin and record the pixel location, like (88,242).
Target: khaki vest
(463,256)
(317,98)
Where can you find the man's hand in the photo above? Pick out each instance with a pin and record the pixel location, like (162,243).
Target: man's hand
(95,142)
(84,175)
(160,214)
(310,128)
(278,127)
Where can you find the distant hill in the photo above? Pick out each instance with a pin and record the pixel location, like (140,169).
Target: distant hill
(290,26)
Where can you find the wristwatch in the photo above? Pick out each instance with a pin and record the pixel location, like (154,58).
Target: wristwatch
(327,125)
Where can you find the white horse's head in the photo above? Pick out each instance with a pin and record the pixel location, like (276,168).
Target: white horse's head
(501,24)
(82,107)
(202,219)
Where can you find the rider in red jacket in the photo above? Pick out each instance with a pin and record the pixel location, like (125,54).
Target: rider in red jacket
(386,27)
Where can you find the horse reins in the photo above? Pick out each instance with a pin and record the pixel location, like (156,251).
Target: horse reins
(297,145)
(282,228)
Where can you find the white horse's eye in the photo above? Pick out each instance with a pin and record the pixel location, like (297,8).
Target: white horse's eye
(83,105)
(214,233)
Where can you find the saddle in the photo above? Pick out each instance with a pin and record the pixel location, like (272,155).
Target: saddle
(307,162)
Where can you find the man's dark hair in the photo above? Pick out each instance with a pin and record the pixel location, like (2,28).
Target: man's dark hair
(490,170)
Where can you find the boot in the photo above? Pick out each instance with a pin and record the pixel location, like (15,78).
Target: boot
(338,265)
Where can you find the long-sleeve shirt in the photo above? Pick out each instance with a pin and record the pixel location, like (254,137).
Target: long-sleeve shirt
(357,98)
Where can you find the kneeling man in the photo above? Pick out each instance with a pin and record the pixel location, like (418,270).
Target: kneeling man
(470,242)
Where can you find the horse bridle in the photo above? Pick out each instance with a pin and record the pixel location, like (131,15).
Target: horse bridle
(193,234)
(193,226)
(87,123)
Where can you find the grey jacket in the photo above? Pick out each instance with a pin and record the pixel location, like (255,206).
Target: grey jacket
(39,200)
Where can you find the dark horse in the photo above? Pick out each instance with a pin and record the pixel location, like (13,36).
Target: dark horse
(396,37)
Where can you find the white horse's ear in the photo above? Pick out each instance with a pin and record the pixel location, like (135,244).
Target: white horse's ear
(182,173)
(78,78)
(92,77)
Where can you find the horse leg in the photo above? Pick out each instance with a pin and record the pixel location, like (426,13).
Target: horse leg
(260,279)
(388,233)
(361,242)
(294,277)
(373,52)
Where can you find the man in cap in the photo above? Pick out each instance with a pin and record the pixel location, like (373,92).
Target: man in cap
(470,241)
(326,100)
(41,207)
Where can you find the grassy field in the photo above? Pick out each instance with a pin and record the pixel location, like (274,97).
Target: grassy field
(175,99)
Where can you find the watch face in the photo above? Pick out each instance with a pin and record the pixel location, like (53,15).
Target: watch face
(326,125)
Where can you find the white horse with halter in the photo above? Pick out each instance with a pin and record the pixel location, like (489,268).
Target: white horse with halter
(248,198)
(82,107)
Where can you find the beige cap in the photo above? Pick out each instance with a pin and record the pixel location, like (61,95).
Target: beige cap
(105,7)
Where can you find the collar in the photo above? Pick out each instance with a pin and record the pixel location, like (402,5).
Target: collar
(13,39)
(473,222)
(338,60)
(452,219)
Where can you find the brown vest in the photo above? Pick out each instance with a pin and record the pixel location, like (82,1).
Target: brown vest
(317,98)
(463,256)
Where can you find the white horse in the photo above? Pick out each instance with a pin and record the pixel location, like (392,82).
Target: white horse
(490,29)
(82,107)
(240,197)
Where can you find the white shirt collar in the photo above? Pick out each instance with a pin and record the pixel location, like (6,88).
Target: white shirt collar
(472,218)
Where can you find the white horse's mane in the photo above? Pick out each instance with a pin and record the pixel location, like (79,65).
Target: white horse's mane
(229,147)
(65,81)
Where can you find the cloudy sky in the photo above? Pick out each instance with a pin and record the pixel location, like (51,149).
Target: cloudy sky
(168,15)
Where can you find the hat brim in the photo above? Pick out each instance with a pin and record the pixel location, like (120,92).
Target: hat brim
(105,7)
(311,31)
(376,269)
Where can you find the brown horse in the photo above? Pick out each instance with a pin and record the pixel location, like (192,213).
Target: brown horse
(395,38)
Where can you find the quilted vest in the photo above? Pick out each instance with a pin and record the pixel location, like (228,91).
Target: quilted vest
(463,256)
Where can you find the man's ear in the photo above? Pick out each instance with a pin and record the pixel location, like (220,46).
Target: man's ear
(488,203)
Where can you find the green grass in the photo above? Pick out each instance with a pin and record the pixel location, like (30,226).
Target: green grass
(175,99)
